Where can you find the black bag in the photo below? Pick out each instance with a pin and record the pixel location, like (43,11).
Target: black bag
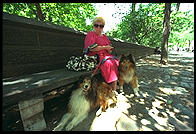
(82,63)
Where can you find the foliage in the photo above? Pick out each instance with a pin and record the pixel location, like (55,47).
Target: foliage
(182,28)
(147,20)
(148,23)
(72,15)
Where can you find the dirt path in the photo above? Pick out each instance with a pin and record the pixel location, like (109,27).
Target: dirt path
(167,101)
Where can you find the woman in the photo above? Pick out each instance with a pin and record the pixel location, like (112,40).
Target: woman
(98,43)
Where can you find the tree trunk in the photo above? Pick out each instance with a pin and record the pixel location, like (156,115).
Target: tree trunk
(178,47)
(166,32)
(132,37)
(178,6)
(39,12)
(189,48)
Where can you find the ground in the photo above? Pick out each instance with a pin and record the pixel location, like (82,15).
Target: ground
(166,102)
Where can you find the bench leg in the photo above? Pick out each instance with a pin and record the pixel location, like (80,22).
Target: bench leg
(31,112)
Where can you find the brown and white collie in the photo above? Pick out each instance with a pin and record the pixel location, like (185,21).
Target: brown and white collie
(127,73)
(89,94)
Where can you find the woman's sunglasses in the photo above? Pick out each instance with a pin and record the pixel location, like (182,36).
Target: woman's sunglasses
(96,25)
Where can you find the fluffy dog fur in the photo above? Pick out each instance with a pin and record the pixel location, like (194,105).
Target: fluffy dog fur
(127,73)
(105,95)
(89,94)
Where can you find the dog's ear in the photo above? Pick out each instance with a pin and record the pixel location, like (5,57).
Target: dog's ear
(80,80)
(122,56)
(81,77)
(132,58)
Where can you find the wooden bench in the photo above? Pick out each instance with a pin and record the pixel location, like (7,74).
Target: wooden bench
(28,92)
(34,57)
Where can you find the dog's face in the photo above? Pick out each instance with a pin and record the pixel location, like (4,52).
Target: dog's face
(85,83)
(127,63)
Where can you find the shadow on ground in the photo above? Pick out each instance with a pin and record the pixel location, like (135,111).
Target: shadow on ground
(166,102)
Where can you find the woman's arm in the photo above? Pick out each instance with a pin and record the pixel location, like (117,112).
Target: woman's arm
(98,48)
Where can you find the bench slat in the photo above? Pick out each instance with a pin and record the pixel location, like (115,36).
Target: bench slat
(29,86)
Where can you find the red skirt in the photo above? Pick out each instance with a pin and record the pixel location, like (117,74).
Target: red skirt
(109,68)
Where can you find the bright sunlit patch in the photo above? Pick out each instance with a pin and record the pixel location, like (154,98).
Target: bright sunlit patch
(176,110)
(145,122)
(154,114)
(159,127)
(107,120)
(185,116)
(16,81)
(14,92)
(157,104)
(170,91)
(106,10)
(88,21)
(126,124)
(134,117)
(41,82)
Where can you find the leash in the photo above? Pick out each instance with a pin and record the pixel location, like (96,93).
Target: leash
(102,61)
(96,69)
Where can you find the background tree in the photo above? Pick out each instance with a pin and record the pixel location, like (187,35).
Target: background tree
(39,13)
(71,15)
(148,27)
(142,23)
(133,23)
(166,32)
(182,29)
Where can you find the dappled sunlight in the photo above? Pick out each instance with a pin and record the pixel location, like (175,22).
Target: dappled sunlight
(123,124)
(45,72)
(154,114)
(157,103)
(13,89)
(13,93)
(166,102)
(16,81)
(41,82)
(107,120)
(171,91)
(160,107)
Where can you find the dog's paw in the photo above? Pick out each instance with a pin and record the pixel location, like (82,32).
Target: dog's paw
(137,94)
(136,91)
(69,126)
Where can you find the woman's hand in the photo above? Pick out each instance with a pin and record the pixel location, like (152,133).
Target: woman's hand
(109,48)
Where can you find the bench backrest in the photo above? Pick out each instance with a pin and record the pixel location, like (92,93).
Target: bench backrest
(31,46)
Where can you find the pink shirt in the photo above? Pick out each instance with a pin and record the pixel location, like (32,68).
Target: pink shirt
(92,38)
(109,68)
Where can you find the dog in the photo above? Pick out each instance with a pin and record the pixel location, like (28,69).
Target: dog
(90,93)
(80,103)
(127,73)
(106,97)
